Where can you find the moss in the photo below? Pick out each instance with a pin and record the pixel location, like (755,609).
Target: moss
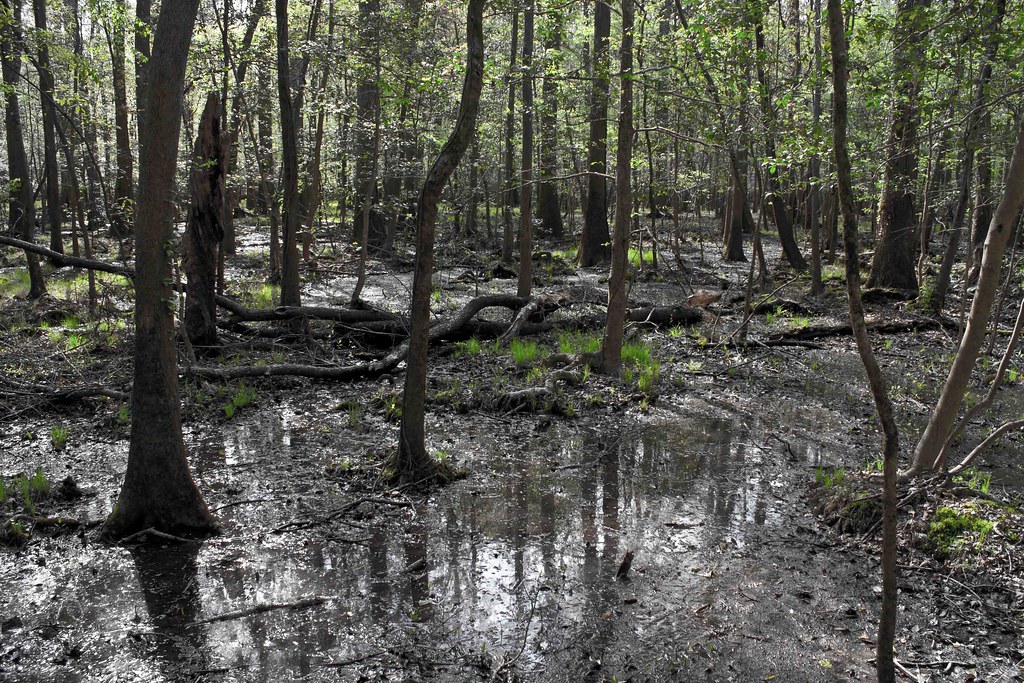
(950,529)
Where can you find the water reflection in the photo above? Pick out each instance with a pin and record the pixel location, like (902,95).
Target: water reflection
(518,561)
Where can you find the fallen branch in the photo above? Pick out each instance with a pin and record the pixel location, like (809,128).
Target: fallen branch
(65,260)
(877,326)
(59,395)
(265,607)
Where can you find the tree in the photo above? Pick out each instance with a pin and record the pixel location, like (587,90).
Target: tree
(611,344)
(884,662)
(122,211)
(525,282)
(290,295)
(893,262)
(412,462)
(51,171)
(594,245)
(158,489)
(204,230)
(548,211)
(21,207)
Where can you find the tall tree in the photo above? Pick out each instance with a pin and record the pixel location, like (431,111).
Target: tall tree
(548,210)
(158,490)
(122,211)
(411,460)
(508,196)
(21,213)
(143,27)
(525,282)
(611,344)
(594,244)
(884,661)
(368,106)
(290,295)
(893,262)
(51,171)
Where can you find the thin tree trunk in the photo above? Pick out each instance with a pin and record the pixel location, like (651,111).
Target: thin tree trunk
(51,170)
(21,207)
(884,660)
(412,461)
(525,282)
(290,295)
(122,217)
(611,344)
(548,210)
(594,243)
(509,194)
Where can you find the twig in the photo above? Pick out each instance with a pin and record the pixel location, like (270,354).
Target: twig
(265,607)
(158,534)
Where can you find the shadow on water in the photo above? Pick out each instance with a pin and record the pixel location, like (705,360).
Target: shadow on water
(514,566)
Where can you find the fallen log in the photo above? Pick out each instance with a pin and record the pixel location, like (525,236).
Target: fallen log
(66,260)
(52,395)
(878,326)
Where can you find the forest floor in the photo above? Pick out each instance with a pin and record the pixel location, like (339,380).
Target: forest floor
(731,472)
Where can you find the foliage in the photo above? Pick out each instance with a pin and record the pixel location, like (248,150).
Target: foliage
(243,396)
(523,352)
(59,436)
(950,529)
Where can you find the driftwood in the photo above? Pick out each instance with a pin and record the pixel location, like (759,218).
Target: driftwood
(533,396)
(264,607)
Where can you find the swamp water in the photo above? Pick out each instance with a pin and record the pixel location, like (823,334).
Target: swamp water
(508,571)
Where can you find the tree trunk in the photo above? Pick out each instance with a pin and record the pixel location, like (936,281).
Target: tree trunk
(884,661)
(290,295)
(611,344)
(412,461)
(122,212)
(508,197)
(204,230)
(595,241)
(814,167)
(21,214)
(548,210)
(51,170)
(158,489)
(525,282)
(143,21)
(929,453)
(367,104)
(974,130)
(893,262)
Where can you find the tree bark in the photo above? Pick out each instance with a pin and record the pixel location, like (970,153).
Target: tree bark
(158,489)
(412,461)
(884,661)
(204,230)
(893,262)
(368,104)
(122,214)
(525,282)
(21,213)
(929,453)
(508,196)
(611,344)
(548,210)
(51,170)
(290,295)
(595,241)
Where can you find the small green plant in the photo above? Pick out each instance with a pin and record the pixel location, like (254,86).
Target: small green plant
(435,295)
(244,395)
(830,479)
(59,436)
(577,342)
(470,347)
(636,353)
(974,479)
(648,377)
(355,414)
(393,408)
(676,332)
(536,375)
(694,365)
(124,414)
(524,352)
(876,465)
(635,256)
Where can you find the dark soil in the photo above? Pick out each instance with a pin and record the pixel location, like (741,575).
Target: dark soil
(733,476)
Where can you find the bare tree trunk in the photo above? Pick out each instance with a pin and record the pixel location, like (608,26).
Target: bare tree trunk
(123,214)
(412,461)
(893,262)
(929,453)
(884,661)
(290,295)
(525,282)
(814,168)
(368,103)
(611,344)
(548,210)
(204,230)
(21,207)
(51,170)
(158,489)
(143,21)
(508,195)
(594,243)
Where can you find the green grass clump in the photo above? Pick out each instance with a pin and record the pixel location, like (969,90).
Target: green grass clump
(59,436)
(636,353)
(261,296)
(524,352)
(470,347)
(577,342)
(14,284)
(243,396)
(974,479)
(635,256)
(830,479)
(26,490)
(950,529)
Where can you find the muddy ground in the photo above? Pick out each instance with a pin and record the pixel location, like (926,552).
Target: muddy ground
(715,475)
